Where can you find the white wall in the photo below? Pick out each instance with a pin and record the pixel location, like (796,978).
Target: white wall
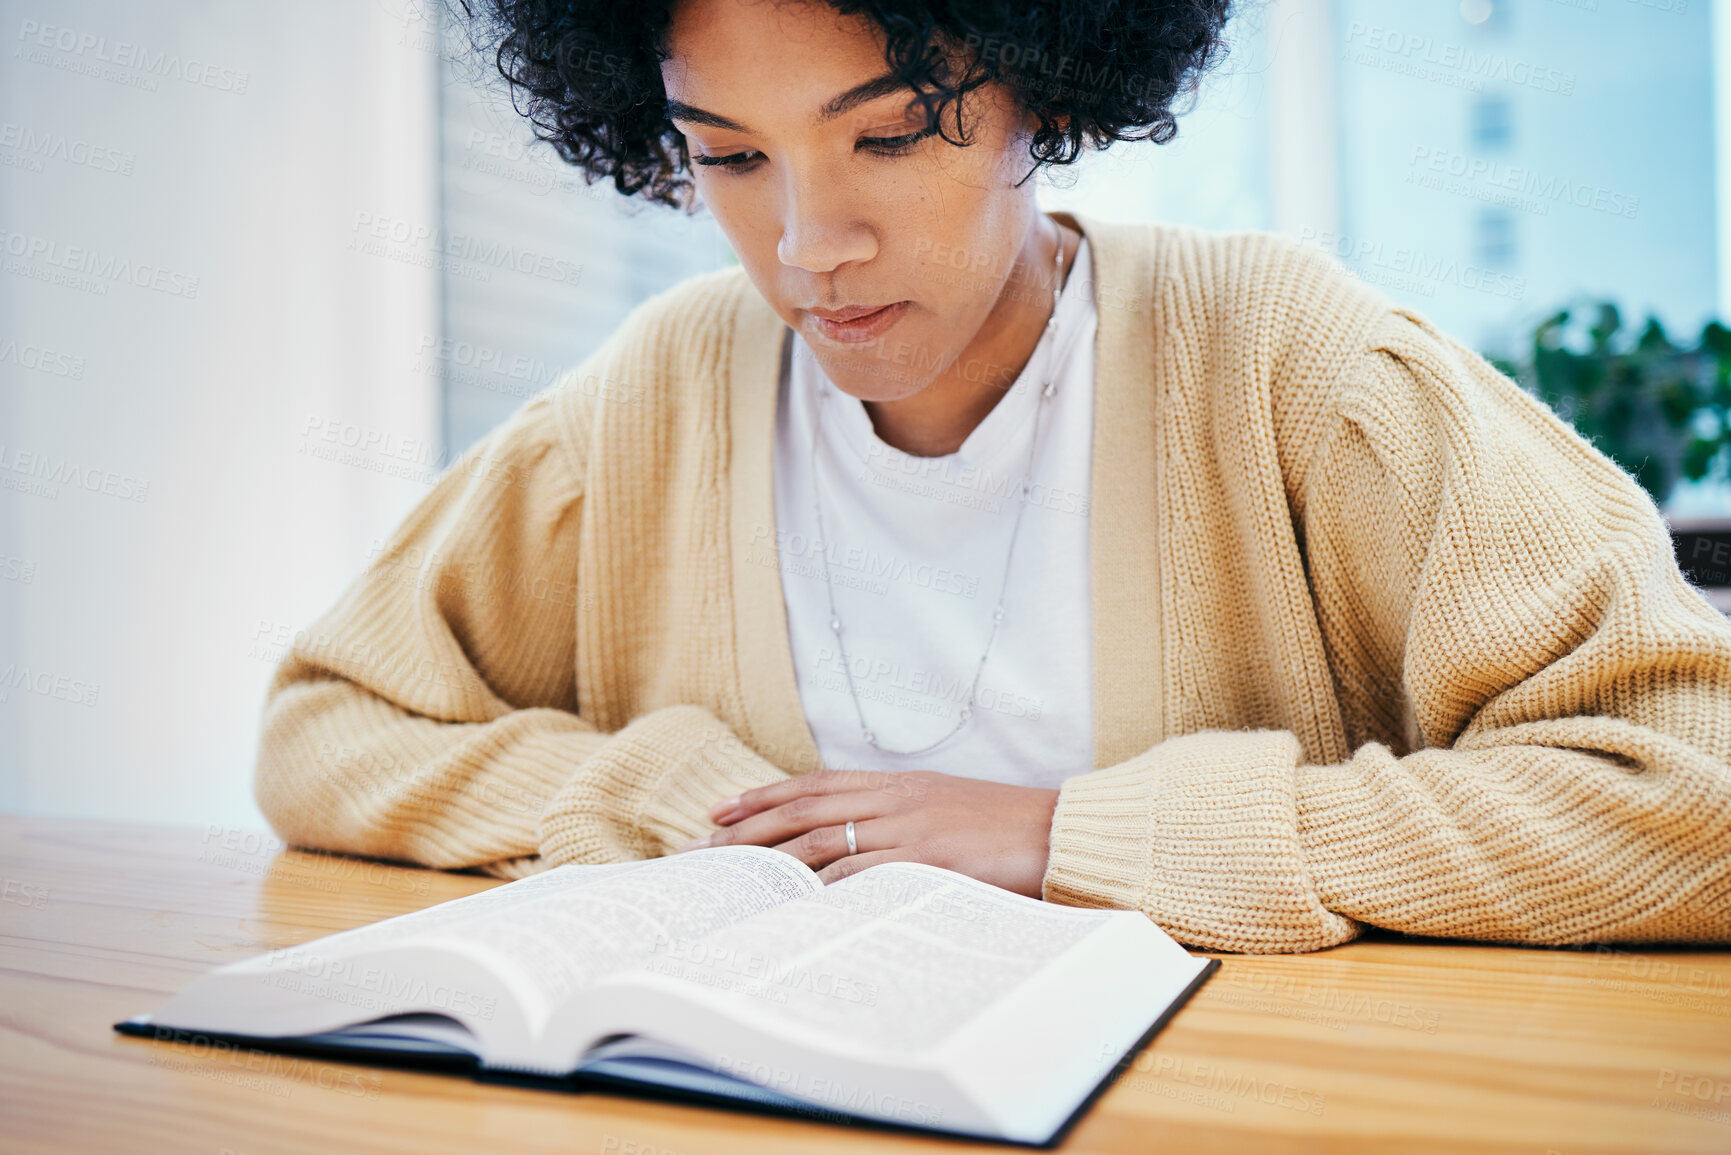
(249,137)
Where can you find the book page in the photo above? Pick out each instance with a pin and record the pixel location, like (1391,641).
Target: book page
(573,935)
(898,957)
(548,934)
(498,900)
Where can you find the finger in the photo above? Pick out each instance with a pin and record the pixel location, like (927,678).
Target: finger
(824,845)
(797,817)
(818,782)
(730,810)
(854,863)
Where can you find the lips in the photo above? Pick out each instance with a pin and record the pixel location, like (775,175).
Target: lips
(856,323)
(851,313)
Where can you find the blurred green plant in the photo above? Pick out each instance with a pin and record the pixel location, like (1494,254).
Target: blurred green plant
(1661,411)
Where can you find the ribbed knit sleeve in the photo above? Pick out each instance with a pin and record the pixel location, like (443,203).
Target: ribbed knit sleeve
(1499,602)
(1201,834)
(432,714)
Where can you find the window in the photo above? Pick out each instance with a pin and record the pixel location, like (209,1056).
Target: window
(1494,238)
(1489,122)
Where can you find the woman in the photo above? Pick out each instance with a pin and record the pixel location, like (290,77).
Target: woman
(1132,567)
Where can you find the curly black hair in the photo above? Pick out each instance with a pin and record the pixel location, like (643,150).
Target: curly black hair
(588,76)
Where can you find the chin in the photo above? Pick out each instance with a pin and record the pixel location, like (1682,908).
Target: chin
(881,371)
(886,384)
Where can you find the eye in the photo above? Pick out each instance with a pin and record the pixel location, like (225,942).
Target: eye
(894,145)
(731,160)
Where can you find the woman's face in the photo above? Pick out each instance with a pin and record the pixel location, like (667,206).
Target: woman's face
(886,248)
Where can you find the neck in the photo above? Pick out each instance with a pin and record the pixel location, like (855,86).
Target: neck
(936,420)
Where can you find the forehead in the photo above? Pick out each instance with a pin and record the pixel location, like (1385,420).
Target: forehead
(780,56)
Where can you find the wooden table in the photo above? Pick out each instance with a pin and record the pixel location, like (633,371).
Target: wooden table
(1374,1046)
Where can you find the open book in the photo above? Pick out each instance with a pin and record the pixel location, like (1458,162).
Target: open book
(906,994)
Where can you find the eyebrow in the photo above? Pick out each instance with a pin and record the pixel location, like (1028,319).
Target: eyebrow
(859,94)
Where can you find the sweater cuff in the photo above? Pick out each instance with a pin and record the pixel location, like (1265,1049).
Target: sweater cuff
(649,789)
(1201,834)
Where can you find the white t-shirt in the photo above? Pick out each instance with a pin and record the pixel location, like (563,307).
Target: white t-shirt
(916,556)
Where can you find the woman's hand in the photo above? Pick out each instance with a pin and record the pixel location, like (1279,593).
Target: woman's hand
(990,831)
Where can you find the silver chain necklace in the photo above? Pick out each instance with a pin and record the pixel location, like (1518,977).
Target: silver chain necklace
(835,623)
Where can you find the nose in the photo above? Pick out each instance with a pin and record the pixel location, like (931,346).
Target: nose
(822,228)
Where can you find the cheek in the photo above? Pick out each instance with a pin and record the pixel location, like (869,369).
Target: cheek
(960,264)
(978,217)
(750,220)
(745,213)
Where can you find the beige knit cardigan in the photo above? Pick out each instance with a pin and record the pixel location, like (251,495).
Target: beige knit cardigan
(1377,638)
